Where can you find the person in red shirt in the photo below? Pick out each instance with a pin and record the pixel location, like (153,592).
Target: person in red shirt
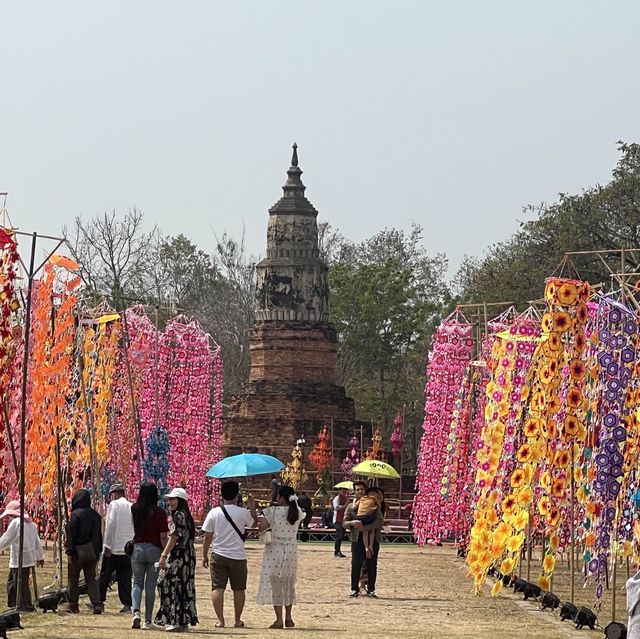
(150,537)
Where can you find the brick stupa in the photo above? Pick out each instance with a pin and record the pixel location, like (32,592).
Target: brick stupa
(291,392)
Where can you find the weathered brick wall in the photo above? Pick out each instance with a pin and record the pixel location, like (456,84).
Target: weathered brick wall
(271,416)
(293,351)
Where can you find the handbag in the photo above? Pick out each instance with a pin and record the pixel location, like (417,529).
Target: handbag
(233,523)
(267,536)
(128,548)
(86,552)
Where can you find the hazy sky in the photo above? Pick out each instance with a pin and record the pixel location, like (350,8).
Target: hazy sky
(452,114)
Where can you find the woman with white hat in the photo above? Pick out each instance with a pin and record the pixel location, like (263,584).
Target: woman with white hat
(32,554)
(178,561)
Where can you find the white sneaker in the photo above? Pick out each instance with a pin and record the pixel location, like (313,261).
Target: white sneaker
(136,621)
(147,625)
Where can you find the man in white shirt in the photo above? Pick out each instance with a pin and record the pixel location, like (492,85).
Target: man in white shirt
(117,532)
(340,502)
(32,554)
(228,557)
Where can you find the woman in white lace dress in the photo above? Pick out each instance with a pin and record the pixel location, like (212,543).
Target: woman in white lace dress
(280,557)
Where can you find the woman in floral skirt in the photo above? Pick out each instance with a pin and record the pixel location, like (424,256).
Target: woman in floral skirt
(178,561)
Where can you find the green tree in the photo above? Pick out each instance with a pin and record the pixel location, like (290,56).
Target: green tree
(216,289)
(387,296)
(600,218)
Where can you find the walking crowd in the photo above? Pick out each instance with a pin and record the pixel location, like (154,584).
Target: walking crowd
(153,556)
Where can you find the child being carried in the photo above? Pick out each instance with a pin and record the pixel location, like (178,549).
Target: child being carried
(367,511)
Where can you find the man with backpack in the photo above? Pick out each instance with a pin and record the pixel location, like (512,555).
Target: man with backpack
(225,526)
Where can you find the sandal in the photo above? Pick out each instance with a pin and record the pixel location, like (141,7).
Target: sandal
(277,625)
(288,623)
(238,624)
(219,624)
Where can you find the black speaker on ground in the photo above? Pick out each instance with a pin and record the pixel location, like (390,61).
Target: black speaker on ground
(550,600)
(49,601)
(585,617)
(615,630)
(567,611)
(12,618)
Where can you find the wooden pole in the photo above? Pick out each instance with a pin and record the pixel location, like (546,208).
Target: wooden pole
(332,457)
(486,318)
(572,523)
(613,587)
(400,469)
(59,504)
(23,413)
(528,548)
(35,583)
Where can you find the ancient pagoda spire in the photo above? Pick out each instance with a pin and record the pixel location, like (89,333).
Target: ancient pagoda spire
(294,185)
(292,280)
(293,202)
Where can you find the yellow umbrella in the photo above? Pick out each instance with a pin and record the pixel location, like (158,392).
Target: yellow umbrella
(348,484)
(375,468)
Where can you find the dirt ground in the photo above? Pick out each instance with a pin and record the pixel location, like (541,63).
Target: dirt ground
(423,594)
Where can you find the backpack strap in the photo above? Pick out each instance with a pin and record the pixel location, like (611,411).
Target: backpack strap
(233,523)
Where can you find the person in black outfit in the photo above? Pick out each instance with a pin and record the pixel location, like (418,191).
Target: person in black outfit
(83,547)
(304,502)
(358,552)
(274,486)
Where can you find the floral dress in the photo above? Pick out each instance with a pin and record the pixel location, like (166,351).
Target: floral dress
(178,587)
(279,559)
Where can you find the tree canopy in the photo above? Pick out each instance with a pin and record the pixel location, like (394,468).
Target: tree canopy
(387,295)
(600,218)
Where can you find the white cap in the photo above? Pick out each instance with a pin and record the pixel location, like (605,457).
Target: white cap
(178,493)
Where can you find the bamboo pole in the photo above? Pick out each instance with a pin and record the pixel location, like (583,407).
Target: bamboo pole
(613,588)
(332,458)
(486,317)
(572,523)
(59,504)
(23,414)
(400,469)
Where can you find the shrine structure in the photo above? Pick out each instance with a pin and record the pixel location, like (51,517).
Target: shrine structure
(291,391)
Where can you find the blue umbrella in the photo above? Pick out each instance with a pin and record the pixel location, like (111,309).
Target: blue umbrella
(244,465)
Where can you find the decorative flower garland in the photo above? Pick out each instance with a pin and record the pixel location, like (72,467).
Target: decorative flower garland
(10,343)
(616,362)
(506,395)
(352,457)
(451,351)
(566,319)
(320,457)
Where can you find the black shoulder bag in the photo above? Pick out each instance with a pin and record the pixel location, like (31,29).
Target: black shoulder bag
(233,523)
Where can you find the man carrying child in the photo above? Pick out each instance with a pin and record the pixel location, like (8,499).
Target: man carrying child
(364,553)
